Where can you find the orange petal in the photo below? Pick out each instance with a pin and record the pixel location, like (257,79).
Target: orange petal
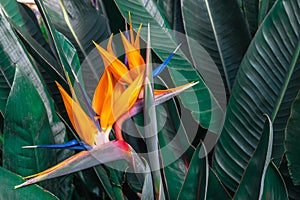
(134,57)
(113,64)
(106,112)
(103,91)
(126,100)
(161,92)
(81,122)
(109,45)
(137,39)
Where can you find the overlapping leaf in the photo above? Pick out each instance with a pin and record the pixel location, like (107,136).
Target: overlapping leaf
(268,81)
(293,191)
(292,142)
(17,55)
(196,181)
(257,166)
(24,21)
(219,27)
(81,23)
(9,180)
(26,124)
(19,15)
(274,186)
(250,9)
(215,189)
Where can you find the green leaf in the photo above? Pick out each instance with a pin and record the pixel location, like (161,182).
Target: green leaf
(267,82)
(174,144)
(117,182)
(264,7)
(66,53)
(253,178)
(46,63)
(196,181)
(250,9)
(26,124)
(292,141)
(274,186)
(43,57)
(17,55)
(95,182)
(104,179)
(204,108)
(7,191)
(215,189)
(220,28)
(20,15)
(70,18)
(25,21)
(48,66)
(293,191)
(62,47)
(7,71)
(167,8)
(78,13)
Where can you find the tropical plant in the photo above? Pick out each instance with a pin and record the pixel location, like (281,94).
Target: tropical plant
(86,114)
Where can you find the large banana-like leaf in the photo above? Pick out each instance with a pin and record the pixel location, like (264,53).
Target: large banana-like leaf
(17,13)
(292,142)
(9,180)
(61,46)
(220,28)
(171,9)
(204,107)
(87,23)
(253,178)
(26,25)
(293,191)
(26,123)
(167,7)
(81,23)
(173,143)
(267,82)
(7,71)
(196,181)
(264,7)
(49,68)
(215,189)
(250,9)
(274,187)
(66,55)
(15,54)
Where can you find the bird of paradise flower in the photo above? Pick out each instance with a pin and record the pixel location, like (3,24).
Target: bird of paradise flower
(117,97)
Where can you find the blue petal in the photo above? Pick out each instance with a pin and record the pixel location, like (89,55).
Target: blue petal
(161,67)
(72,144)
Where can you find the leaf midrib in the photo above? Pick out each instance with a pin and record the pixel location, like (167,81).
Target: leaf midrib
(218,44)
